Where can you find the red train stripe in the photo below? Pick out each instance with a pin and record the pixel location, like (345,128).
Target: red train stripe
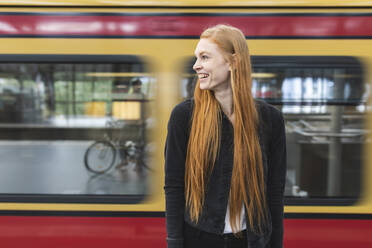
(78,232)
(340,233)
(141,232)
(184,25)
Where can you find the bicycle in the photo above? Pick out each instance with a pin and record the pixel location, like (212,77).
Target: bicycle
(101,155)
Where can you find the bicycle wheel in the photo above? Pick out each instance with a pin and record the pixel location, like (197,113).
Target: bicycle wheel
(100,157)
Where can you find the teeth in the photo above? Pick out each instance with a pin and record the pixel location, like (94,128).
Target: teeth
(203,76)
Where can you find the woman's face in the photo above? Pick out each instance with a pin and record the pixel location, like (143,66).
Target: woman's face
(212,69)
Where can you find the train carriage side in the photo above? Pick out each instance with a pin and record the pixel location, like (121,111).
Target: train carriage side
(72,76)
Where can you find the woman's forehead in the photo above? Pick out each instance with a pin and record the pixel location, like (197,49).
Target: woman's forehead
(206,46)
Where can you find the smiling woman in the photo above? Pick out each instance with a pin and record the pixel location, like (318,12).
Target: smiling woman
(216,161)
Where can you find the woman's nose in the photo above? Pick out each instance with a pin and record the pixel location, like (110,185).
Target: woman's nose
(196,66)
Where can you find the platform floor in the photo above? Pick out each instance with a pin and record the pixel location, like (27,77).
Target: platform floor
(57,167)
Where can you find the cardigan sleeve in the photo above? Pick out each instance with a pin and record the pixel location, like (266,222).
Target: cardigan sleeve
(174,185)
(276,178)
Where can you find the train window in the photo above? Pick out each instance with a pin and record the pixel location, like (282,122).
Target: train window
(324,102)
(73,128)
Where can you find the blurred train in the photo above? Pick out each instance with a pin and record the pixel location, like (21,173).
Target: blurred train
(68,67)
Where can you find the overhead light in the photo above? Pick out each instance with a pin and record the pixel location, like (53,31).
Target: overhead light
(254,75)
(346,75)
(122,86)
(263,75)
(117,74)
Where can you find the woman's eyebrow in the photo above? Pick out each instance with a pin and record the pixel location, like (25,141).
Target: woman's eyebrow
(202,52)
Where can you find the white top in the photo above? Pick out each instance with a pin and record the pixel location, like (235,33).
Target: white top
(242,225)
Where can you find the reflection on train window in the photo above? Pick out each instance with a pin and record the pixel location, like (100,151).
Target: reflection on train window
(324,102)
(75,126)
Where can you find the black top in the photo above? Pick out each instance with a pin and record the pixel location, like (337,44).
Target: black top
(212,219)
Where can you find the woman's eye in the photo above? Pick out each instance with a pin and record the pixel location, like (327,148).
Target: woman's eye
(204,57)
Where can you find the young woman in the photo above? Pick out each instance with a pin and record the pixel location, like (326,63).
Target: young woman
(225,154)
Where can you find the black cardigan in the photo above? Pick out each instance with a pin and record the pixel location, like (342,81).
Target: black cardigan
(212,219)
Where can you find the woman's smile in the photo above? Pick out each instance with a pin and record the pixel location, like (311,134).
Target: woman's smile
(202,75)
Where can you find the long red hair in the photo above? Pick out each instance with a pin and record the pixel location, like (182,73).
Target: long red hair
(247,182)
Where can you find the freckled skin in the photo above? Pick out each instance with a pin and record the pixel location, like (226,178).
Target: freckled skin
(209,60)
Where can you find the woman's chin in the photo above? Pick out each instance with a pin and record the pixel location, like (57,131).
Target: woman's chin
(204,85)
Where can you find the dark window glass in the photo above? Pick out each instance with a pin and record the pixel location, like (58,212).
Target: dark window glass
(324,102)
(73,126)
